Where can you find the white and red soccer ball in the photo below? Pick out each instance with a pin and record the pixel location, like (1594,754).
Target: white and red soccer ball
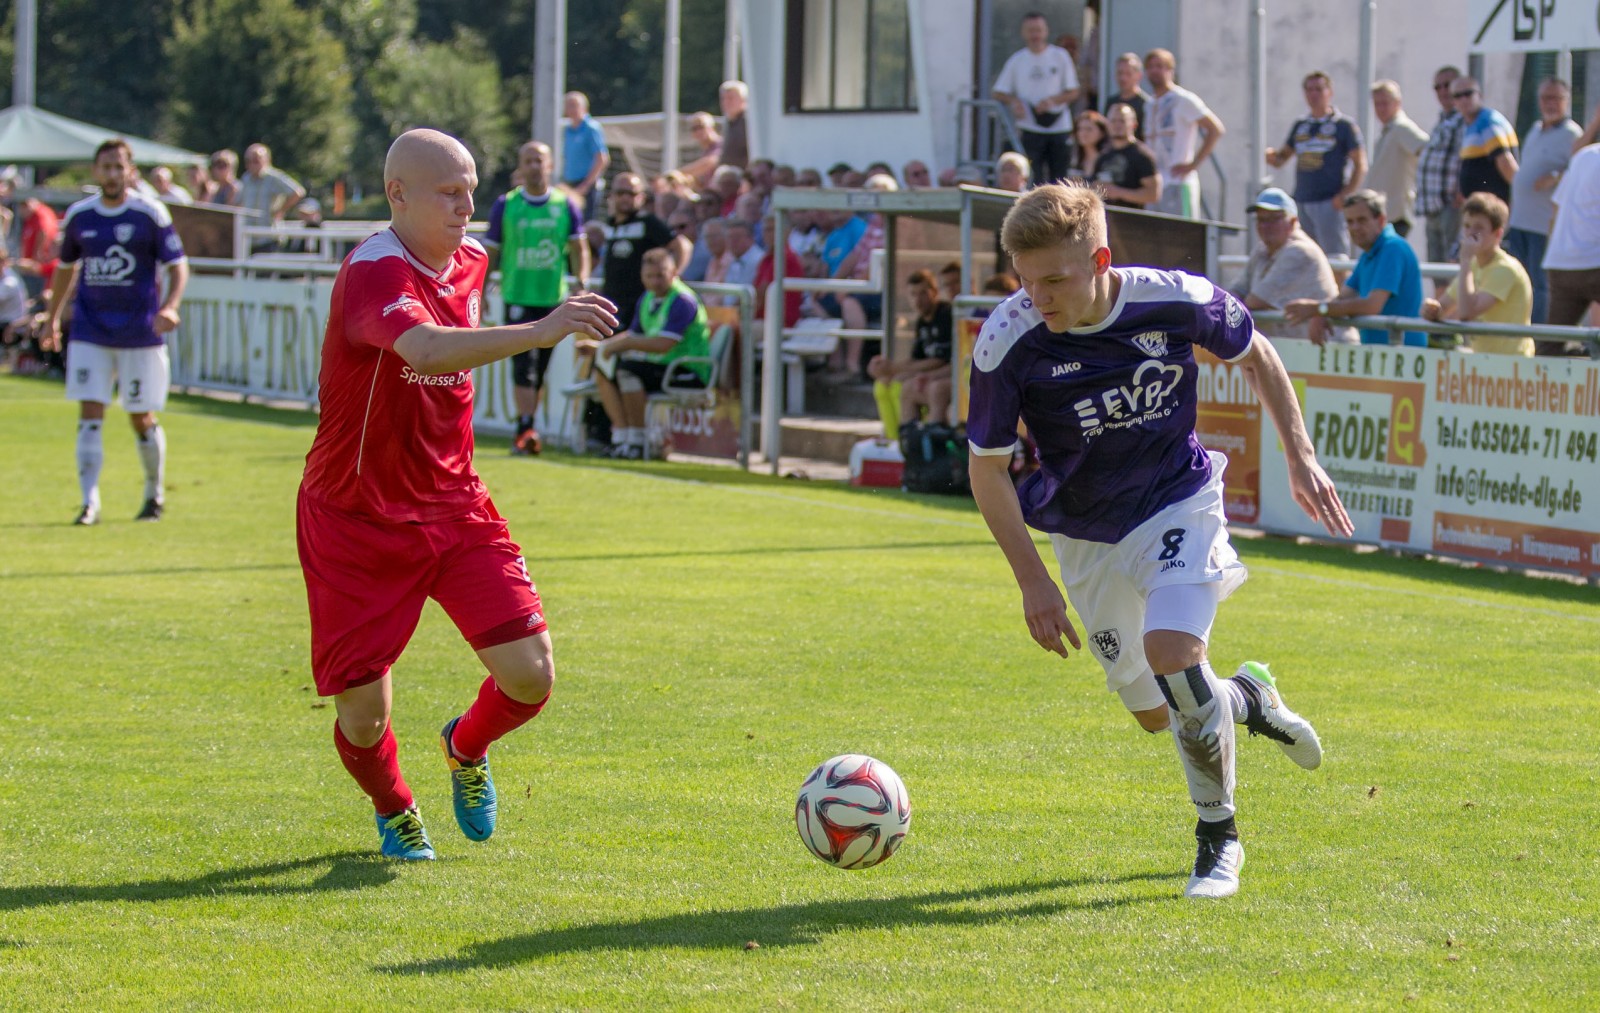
(853,812)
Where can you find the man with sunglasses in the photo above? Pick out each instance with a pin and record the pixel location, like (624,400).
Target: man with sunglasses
(630,232)
(1488,143)
(1439,172)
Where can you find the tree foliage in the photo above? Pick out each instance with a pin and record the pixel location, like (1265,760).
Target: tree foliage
(451,86)
(263,70)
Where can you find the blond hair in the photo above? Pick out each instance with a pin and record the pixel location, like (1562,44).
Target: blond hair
(1057,214)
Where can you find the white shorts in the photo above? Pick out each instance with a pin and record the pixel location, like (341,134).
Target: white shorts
(141,375)
(1108,585)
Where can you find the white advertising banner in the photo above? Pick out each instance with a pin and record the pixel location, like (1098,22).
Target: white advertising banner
(1489,457)
(262,339)
(1506,26)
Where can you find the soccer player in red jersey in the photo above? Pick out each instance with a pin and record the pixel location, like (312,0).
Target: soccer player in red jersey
(390,510)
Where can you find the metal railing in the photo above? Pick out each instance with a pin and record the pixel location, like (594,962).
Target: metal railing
(985,118)
(1394,325)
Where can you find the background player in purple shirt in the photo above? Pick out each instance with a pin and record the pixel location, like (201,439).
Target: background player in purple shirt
(115,246)
(1099,363)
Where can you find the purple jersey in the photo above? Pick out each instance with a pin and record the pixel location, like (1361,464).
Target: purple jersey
(122,250)
(1111,407)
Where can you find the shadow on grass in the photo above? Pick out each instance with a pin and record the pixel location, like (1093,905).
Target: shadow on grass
(160,571)
(346,870)
(245,411)
(786,925)
(1444,577)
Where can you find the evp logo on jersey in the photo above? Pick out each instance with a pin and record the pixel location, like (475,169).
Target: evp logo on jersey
(1129,405)
(111,269)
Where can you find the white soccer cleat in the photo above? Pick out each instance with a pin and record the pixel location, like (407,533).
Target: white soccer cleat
(1216,869)
(1270,716)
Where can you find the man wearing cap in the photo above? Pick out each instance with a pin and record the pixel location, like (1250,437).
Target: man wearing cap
(837,173)
(1387,279)
(1287,265)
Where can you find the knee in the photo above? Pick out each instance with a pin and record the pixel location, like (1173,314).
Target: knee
(363,728)
(1170,651)
(527,674)
(1154,720)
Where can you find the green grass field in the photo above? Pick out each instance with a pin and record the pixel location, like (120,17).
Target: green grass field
(178,832)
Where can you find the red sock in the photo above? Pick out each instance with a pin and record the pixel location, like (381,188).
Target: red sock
(376,769)
(490,717)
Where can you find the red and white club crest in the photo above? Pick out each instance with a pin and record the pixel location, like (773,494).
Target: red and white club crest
(474,308)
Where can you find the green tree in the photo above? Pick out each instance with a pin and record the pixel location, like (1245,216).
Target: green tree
(369,29)
(451,86)
(263,70)
(97,64)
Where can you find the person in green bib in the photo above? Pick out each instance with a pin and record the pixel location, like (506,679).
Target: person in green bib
(529,228)
(669,324)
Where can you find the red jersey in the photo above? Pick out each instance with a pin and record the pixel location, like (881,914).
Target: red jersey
(39,230)
(392,443)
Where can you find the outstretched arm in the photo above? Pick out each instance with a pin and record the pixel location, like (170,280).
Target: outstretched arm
(1308,483)
(431,349)
(1042,603)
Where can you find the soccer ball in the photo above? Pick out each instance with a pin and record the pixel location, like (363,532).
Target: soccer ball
(853,812)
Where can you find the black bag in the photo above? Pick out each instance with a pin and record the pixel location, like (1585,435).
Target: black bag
(1046,119)
(935,458)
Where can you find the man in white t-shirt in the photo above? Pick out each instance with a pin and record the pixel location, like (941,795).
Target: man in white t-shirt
(1038,83)
(1182,131)
(1572,260)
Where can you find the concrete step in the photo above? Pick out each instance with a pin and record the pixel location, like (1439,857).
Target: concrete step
(830,394)
(826,437)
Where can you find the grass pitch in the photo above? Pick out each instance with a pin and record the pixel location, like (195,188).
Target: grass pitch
(178,831)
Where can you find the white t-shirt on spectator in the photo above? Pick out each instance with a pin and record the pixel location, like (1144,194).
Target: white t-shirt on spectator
(13,297)
(1575,241)
(1033,76)
(1174,127)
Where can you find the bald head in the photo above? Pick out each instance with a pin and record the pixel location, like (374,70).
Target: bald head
(429,177)
(420,155)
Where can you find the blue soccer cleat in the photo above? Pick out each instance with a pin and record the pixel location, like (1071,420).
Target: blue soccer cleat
(404,836)
(471,790)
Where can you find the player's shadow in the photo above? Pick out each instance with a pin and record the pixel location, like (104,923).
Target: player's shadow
(346,871)
(793,924)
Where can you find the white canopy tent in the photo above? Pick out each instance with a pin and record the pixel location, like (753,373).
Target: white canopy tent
(31,136)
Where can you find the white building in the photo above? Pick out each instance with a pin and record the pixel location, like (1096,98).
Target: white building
(863,80)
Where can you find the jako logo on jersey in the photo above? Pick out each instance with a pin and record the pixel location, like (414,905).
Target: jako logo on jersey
(405,302)
(1106,643)
(1152,343)
(474,308)
(1063,368)
(111,269)
(1152,382)
(123,232)
(1171,564)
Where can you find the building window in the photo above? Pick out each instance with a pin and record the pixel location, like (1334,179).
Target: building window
(848,56)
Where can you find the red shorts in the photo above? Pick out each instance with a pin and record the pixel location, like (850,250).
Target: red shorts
(367,580)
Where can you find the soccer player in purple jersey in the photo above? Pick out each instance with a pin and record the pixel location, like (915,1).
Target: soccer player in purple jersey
(114,246)
(1099,362)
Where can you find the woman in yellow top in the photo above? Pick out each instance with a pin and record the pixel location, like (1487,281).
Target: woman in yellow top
(1492,286)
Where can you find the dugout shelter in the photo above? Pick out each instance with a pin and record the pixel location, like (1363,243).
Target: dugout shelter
(928,228)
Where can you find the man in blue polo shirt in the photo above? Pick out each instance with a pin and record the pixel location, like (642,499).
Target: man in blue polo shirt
(1387,280)
(584,157)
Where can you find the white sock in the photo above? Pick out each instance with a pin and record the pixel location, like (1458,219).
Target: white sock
(636,437)
(153,452)
(619,435)
(1237,701)
(90,458)
(1202,728)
